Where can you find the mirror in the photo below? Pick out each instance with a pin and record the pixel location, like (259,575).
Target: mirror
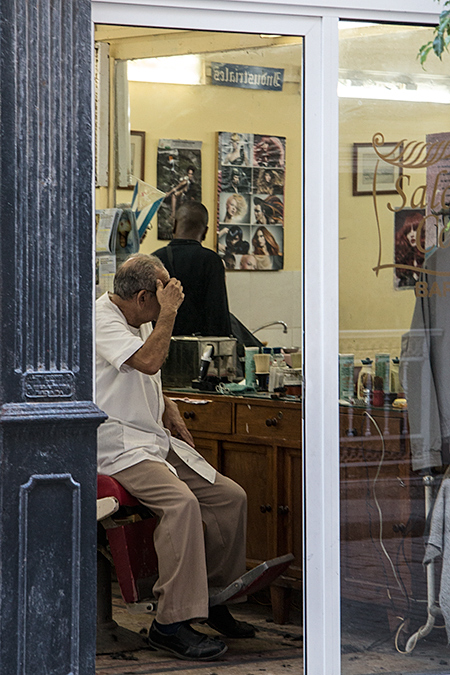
(165,79)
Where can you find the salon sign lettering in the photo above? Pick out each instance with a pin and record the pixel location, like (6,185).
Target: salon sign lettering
(422,205)
(246,77)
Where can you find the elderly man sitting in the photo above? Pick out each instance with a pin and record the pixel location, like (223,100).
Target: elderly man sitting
(146,446)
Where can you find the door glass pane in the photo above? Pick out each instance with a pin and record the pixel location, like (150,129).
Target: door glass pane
(394,346)
(216,118)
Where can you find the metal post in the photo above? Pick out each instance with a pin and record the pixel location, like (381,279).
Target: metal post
(47,418)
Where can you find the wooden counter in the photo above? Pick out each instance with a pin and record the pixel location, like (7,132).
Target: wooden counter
(257,443)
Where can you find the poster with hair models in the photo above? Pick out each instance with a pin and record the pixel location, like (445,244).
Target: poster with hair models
(250,200)
(179,175)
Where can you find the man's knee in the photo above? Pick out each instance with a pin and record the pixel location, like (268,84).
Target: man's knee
(241,495)
(236,494)
(243,501)
(187,504)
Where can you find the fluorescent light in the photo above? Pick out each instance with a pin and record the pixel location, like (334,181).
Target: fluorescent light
(394,91)
(350,25)
(184,69)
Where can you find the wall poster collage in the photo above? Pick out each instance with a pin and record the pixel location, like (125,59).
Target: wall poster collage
(250,218)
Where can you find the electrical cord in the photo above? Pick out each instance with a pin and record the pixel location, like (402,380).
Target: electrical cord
(397,576)
(377,504)
(400,552)
(372,507)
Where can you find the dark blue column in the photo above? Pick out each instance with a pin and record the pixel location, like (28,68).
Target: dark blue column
(47,419)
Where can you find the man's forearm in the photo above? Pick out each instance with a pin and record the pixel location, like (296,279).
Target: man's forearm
(150,357)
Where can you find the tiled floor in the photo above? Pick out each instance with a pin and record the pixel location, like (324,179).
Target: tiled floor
(368,647)
(276,650)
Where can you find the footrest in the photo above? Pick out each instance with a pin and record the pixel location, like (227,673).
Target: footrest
(252,581)
(106,506)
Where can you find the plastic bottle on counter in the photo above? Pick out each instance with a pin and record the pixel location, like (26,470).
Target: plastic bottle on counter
(279,357)
(250,374)
(276,372)
(365,381)
(273,375)
(395,379)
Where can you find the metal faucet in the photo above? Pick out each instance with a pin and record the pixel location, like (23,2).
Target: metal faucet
(272,323)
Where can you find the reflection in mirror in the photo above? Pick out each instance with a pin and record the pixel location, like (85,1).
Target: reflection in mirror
(168,86)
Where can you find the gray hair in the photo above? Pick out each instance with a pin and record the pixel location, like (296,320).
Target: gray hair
(139,272)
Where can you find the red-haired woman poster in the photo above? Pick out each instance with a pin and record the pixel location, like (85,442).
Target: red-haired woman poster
(409,258)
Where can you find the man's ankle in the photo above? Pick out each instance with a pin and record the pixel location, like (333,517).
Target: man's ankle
(168,628)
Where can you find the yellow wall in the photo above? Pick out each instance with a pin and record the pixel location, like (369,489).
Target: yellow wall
(368,301)
(372,312)
(198,113)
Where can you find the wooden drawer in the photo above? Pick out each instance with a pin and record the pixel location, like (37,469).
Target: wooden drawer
(268,421)
(214,416)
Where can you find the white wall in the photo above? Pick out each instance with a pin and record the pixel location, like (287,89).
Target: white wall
(280,301)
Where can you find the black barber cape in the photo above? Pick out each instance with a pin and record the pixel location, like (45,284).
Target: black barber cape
(202,274)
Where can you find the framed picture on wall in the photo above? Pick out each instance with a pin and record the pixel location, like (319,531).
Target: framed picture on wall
(137,156)
(179,176)
(365,162)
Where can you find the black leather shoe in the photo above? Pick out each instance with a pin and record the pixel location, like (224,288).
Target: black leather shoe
(187,643)
(223,622)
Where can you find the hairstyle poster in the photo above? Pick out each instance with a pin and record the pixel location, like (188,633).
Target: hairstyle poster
(250,200)
(409,244)
(179,175)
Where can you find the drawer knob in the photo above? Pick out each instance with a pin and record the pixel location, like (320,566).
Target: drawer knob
(400,527)
(265,508)
(189,415)
(271,422)
(283,510)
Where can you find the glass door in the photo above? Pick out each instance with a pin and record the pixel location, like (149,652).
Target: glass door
(393,343)
(217,117)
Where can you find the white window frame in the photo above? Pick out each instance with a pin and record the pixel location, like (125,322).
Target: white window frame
(319,26)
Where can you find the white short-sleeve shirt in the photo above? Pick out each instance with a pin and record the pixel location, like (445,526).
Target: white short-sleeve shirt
(133,401)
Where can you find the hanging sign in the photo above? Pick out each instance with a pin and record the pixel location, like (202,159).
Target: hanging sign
(246,77)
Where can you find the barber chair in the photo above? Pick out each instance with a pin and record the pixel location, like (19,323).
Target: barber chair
(125,539)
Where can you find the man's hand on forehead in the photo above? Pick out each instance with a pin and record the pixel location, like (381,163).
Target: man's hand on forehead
(165,278)
(169,293)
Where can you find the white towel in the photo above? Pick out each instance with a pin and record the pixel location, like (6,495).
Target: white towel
(439,545)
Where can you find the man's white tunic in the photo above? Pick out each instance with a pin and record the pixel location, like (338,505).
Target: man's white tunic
(133,401)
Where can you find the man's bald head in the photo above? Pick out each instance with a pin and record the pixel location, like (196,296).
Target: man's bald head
(191,221)
(139,272)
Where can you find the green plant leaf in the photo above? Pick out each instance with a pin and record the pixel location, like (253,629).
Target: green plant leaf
(441,39)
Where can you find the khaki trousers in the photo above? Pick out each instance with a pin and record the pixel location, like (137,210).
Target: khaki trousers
(201,536)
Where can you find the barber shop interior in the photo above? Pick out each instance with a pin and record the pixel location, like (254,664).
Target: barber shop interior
(185,117)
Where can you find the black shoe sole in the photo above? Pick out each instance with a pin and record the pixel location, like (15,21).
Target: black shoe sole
(155,645)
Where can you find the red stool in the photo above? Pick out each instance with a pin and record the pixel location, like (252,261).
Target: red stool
(130,537)
(129,534)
